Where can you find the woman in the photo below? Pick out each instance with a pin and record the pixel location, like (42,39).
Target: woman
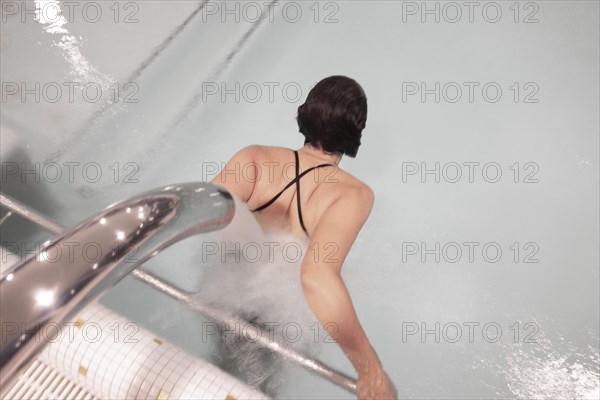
(304,192)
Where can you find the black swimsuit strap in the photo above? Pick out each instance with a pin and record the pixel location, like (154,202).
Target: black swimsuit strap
(298,193)
(296,181)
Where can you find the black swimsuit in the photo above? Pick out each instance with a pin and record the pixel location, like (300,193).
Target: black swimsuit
(296,180)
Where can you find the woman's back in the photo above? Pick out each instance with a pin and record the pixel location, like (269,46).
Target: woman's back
(270,169)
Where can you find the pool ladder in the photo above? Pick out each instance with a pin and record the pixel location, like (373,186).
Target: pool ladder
(149,223)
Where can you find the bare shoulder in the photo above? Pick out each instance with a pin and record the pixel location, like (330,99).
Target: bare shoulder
(354,187)
(252,154)
(354,197)
(250,151)
(261,152)
(361,195)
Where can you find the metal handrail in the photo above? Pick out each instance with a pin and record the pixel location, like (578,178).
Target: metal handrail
(259,335)
(54,284)
(150,222)
(19,208)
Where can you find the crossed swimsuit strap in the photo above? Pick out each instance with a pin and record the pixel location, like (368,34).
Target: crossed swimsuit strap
(296,181)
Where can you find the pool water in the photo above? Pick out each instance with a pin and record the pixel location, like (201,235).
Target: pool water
(476,275)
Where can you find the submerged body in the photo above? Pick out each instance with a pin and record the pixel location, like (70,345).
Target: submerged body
(325,217)
(257,282)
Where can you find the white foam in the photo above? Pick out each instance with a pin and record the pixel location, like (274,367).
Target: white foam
(261,279)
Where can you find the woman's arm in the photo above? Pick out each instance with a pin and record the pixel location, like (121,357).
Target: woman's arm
(328,296)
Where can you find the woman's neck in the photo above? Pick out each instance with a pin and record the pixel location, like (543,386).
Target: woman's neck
(320,155)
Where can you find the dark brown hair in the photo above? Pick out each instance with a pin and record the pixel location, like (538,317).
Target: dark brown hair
(334,114)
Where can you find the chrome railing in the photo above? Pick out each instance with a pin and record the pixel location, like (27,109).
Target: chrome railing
(19,208)
(48,288)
